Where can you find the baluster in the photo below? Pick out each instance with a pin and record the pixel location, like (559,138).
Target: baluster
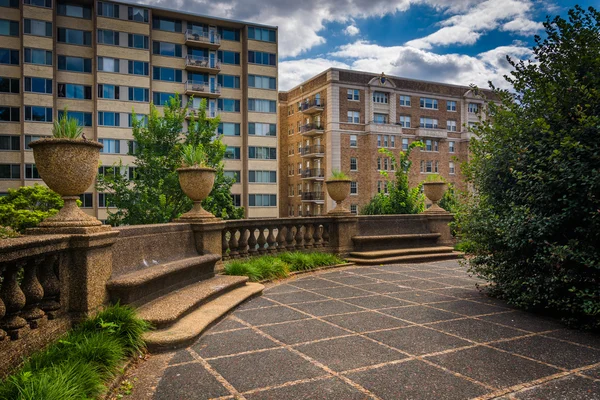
(262,240)
(289,237)
(317,238)
(308,236)
(14,301)
(271,241)
(325,235)
(51,285)
(280,239)
(246,246)
(34,292)
(299,238)
(233,244)
(225,245)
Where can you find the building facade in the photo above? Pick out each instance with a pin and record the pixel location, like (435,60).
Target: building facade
(340,119)
(105,60)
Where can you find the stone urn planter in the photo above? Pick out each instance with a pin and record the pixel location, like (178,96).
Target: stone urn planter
(196,182)
(339,190)
(68,167)
(434,191)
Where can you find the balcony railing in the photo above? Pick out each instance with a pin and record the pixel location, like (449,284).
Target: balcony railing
(203,37)
(313,196)
(313,173)
(202,87)
(311,128)
(313,150)
(201,62)
(311,107)
(209,113)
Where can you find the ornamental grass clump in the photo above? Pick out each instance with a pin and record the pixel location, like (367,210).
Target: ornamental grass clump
(194,156)
(337,175)
(66,128)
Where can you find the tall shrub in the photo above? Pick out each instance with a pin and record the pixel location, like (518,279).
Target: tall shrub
(27,206)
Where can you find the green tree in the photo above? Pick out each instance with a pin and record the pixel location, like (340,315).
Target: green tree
(451,199)
(401,199)
(153,195)
(533,227)
(27,206)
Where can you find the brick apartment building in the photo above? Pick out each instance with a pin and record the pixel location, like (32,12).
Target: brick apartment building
(101,59)
(340,118)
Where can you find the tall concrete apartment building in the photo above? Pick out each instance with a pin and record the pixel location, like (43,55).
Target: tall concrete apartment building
(103,59)
(339,119)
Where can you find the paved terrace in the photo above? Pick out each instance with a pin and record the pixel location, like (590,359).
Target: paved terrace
(389,332)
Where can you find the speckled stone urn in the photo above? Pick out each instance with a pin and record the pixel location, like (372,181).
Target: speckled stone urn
(196,183)
(434,191)
(69,167)
(338,190)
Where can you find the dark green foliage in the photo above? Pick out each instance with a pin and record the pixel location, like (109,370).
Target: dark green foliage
(27,206)
(451,199)
(154,195)
(533,230)
(401,199)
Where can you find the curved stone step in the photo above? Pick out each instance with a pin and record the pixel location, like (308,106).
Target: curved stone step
(167,309)
(415,258)
(406,236)
(188,329)
(401,252)
(394,242)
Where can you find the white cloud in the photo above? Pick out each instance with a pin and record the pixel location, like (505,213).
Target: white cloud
(294,72)
(351,30)
(523,26)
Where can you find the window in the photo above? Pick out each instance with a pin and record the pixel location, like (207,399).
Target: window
(450,106)
(262,58)
(141,119)
(74,10)
(451,125)
(405,101)
(10,171)
(38,114)
(32,138)
(87,200)
(196,77)
(9,85)
(299,172)
(9,56)
(109,118)
(262,82)
(139,94)
(353,164)
(166,49)
(380,97)
(9,3)
(31,172)
(451,147)
(427,166)
(229,57)
(74,36)
(74,64)
(429,103)
(167,24)
(108,170)
(262,200)
(237,200)
(431,145)
(73,91)
(166,74)
(380,118)
(83,118)
(378,186)
(353,141)
(108,37)
(160,98)
(404,144)
(354,117)
(108,10)
(451,168)
(262,34)
(132,149)
(136,41)
(262,176)
(353,94)
(228,105)
(378,164)
(354,209)
(404,121)
(260,105)
(137,14)
(107,64)
(393,141)
(140,68)
(385,164)
(111,146)
(472,125)
(10,114)
(229,34)
(104,200)
(235,175)
(232,153)
(10,142)
(262,129)
(378,140)
(353,187)
(229,81)
(9,28)
(38,56)
(37,27)
(473,107)
(262,153)
(229,129)
(39,3)
(385,141)
(110,92)
(429,123)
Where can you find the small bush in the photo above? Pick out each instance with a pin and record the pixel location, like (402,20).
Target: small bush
(27,206)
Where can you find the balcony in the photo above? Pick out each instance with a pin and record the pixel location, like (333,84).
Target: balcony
(313,173)
(432,132)
(313,196)
(204,39)
(209,113)
(202,88)
(313,151)
(202,64)
(312,107)
(311,129)
(378,127)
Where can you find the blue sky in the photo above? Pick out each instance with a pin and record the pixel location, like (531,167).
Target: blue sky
(453,41)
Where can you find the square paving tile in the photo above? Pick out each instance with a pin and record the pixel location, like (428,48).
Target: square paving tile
(377,302)
(226,325)
(477,330)
(567,388)
(416,380)
(390,277)
(420,314)
(585,338)
(363,271)
(526,321)
(593,372)
(423,284)
(365,321)
(493,367)
(551,351)
(325,389)
(295,297)
(258,302)
(313,283)
(302,331)
(420,296)
(423,274)
(459,282)
(469,308)
(269,315)
(267,368)
(281,288)
(382,287)
(447,264)
(222,344)
(461,293)
(329,307)
(349,353)
(353,280)
(189,381)
(181,356)
(342,292)
(417,340)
